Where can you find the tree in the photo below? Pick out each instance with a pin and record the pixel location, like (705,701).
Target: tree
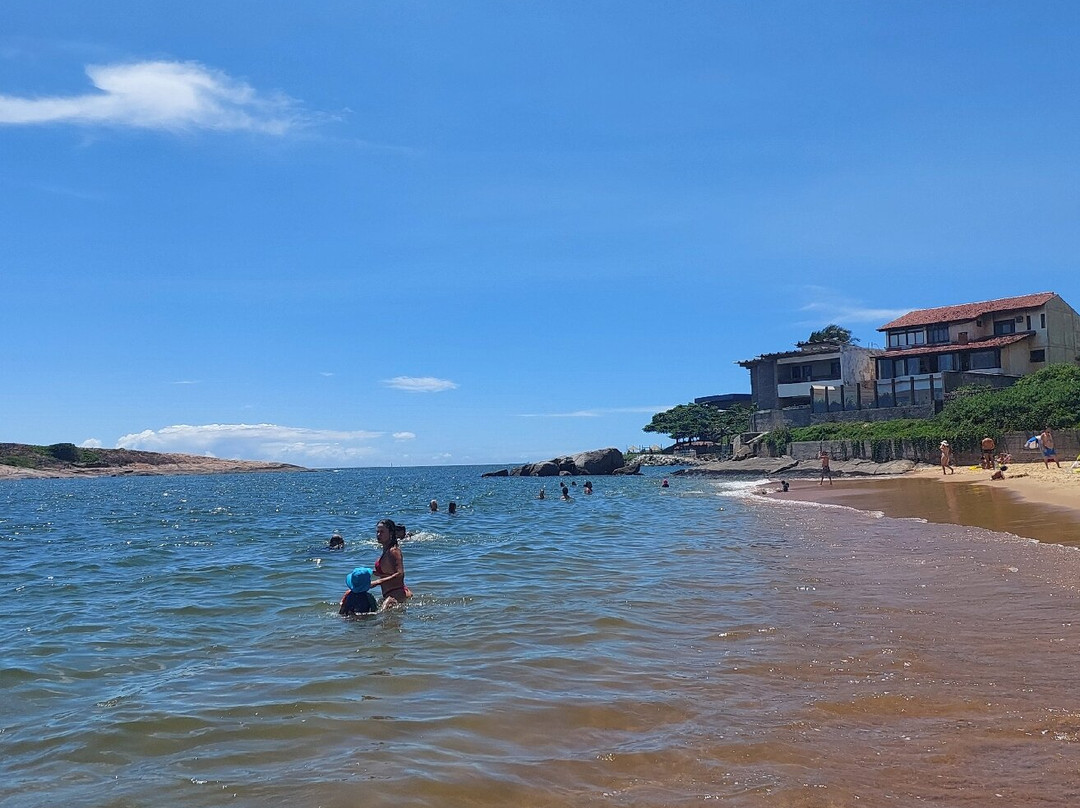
(833,333)
(700,422)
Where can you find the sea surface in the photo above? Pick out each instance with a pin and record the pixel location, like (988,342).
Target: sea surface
(174,641)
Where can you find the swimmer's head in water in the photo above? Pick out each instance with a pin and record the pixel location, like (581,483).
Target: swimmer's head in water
(337,541)
(359,580)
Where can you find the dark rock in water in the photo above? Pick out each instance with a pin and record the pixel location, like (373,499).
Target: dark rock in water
(633,468)
(596,463)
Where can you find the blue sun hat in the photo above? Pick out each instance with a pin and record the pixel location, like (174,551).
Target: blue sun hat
(359,580)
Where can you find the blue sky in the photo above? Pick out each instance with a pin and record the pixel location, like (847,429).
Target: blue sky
(411,233)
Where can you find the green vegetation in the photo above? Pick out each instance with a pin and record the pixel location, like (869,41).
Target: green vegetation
(833,333)
(29,456)
(689,422)
(1050,397)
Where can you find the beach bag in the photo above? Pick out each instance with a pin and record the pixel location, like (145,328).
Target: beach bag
(1032,443)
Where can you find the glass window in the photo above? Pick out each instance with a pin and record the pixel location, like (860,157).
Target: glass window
(1004,327)
(905,339)
(1042,320)
(937,334)
(1038,356)
(947,362)
(984,360)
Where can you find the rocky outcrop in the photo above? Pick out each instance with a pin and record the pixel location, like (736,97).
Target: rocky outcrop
(594,463)
(20,460)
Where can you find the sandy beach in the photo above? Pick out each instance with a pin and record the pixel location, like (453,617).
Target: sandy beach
(1032,501)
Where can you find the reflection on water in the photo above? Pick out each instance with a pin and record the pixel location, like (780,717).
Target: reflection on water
(633,648)
(990,506)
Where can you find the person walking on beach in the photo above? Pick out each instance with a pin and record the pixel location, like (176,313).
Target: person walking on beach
(390,567)
(1047,441)
(825,470)
(946,458)
(988,452)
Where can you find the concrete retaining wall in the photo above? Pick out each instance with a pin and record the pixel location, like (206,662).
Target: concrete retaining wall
(1067,443)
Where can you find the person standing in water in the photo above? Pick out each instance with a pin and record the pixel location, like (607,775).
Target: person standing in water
(390,568)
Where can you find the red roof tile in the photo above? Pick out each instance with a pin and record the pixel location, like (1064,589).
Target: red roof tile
(923,350)
(968,311)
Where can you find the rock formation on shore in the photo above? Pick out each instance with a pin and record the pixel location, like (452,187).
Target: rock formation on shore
(597,462)
(20,460)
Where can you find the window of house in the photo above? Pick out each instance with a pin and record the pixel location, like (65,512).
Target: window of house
(834,370)
(799,373)
(936,334)
(1042,320)
(1004,327)
(985,360)
(947,362)
(1038,356)
(907,338)
(1029,322)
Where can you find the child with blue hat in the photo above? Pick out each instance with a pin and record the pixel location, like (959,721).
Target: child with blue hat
(357,600)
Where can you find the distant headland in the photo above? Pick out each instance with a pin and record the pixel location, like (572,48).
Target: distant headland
(22,461)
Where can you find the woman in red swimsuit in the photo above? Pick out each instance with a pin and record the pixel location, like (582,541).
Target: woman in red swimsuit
(390,568)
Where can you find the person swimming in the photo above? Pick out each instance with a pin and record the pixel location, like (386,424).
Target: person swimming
(390,567)
(336,542)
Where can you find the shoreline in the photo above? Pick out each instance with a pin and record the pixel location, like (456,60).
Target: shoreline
(1032,501)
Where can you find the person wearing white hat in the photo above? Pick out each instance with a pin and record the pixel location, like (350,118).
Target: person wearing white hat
(946,458)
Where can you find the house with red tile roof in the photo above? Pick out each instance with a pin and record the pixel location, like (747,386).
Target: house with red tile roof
(928,353)
(1011,336)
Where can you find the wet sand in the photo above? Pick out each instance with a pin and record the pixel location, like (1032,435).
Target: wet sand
(1031,501)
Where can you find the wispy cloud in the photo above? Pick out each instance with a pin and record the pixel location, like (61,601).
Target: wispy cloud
(597,412)
(299,445)
(187,381)
(830,306)
(404,435)
(420,384)
(170,96)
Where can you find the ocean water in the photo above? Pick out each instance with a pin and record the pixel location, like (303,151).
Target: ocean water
(175,641)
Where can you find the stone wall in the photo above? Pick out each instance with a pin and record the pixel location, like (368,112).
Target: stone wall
(1067,443)
(870,414)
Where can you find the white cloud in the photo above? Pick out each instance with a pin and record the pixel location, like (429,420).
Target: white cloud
(92,443)
(420,384)
(597,412)
(171,96)
(302,446)
(830,306)
(404,435)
